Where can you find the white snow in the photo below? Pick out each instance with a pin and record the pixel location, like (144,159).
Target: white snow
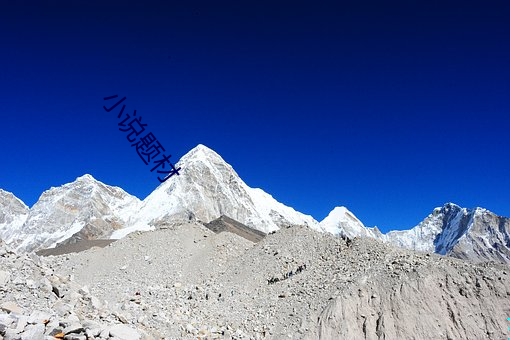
(13,213)
(341,221)
(118,234)
(265,204)
(207,188)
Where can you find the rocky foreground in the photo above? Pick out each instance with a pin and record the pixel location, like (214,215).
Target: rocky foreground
(186,282)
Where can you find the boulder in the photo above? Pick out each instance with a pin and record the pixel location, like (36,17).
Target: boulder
(12,307)
(123,332)
(33,332)
(4,277)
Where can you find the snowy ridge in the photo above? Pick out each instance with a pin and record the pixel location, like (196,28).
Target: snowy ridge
(83,209)
(450,234)
(342,222)
(13,214)
(208,188)
(278,213)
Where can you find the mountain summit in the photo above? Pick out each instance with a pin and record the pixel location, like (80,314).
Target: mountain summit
(342,222)
(475,234)
(207,188)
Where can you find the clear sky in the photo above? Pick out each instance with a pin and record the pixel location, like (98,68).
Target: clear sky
(388,108)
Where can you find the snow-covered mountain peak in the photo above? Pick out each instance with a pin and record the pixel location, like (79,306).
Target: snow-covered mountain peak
(465,233)
(451,205)
(340,215)
(86,178)
(83,209)
(447,208)
(480,211)
(202,164)
(343,222)
(201,154)
(207,188)
(9,196)
(452,208)
(342,212)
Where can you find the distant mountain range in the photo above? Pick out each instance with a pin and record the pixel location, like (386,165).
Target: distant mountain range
(209,188)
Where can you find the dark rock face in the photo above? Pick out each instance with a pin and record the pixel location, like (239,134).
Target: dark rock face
(225,223)
(68,247)
(488,239)
(455,223)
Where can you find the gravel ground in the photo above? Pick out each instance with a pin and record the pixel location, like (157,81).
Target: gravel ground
(186,282)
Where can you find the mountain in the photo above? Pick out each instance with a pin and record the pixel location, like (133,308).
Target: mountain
(13,213)
(86,209)
(342,222)
(474,234)
(208,188)
(83,209)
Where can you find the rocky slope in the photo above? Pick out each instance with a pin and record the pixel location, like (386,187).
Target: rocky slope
(184,282)
(37,303)
(83,209)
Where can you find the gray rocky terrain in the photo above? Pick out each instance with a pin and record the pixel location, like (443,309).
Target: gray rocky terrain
(186,282)
(38,303)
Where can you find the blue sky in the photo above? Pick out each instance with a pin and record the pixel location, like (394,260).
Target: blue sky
(389,108)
